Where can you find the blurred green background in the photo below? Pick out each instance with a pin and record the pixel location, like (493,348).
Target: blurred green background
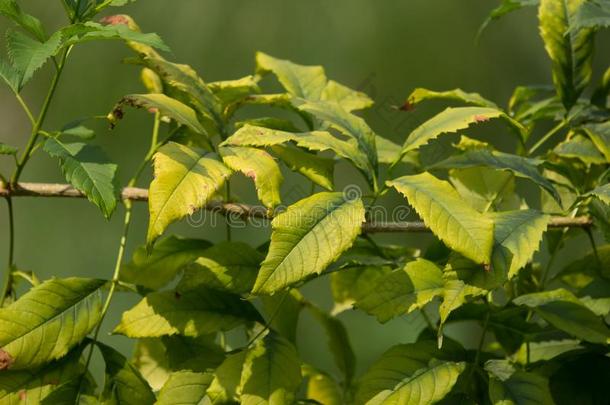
(385,48)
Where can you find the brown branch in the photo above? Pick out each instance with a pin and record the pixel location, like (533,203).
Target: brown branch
(244,211)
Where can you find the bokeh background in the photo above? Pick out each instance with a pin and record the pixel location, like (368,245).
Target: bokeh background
(385,48)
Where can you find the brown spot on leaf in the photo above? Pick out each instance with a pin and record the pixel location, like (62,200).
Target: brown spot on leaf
(481,118)
(23,395)
(407,106)
(6,360)
(487,267)
(153,110)
(251,174)
(115,20)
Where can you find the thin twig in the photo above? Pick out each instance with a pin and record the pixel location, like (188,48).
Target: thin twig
(245,211)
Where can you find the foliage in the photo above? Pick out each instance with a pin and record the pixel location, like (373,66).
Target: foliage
(542,325)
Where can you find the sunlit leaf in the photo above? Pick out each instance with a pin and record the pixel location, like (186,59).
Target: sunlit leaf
(185,387)
(185,180)
(48,321)
(301,239)
(461,227)
(420,94)
(317,169)
(260,167)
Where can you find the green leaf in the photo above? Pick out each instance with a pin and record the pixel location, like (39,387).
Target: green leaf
(546,350)
(186,82)
(185,180)
(462,280)
(506,7)
(601,192)
(581,148)
(284,312)
(399,363)
(338,342)
(517,236)
(306,82)
(317,169)
(452,120)
(151,360)
(166,106)
(11,10)
(10,76)
(462,228)
(193,313)
(420,94)
(315,141)
(323,388)
(521,388)
(260,167)
(426,386)
(403,290)
(7,149)
(566,312)
(45,323)
(227,377)
(124,385)
(483,187)
(92,31)
(185,387)
(33,386)
(570,50)
(160,266)
(29,55)
(88,169)
(348,124)
(226,266)
(591,14)
(518,165)
(271,372)
(600,135)
(352,284)
(301,239)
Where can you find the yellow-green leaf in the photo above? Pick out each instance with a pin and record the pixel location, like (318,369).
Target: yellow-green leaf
(461,227)
(185,180)
(260,167)
(309,236)
(49,320)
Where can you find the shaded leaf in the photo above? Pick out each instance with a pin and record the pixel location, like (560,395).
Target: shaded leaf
(323,388)
(301,239)
(506,7)
(193,313)
(29,55)
(452,120)
(156,268)
(88,169)
(227,378)
(518,165)
(271,372)
(483,187)
(517,236)
(600,135)
(420,94)
(7,149)
(11,10)
(581,148)
(570,50)
(317,169)
(521,388)
(566,312)
(403,290)
(166,106)
(226,266)
(49,320)
(352,284)
(124,384)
